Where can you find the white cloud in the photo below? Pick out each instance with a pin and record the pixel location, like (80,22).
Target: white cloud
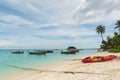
(54,11)
(68,31)
(13,20)
(98,11)
(60,14)
(4,43)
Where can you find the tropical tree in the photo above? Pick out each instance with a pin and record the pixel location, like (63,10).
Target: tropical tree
(100,29)
(118,25)
(116,40)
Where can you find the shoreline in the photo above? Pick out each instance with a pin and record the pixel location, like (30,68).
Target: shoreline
(76,70)
(13,71)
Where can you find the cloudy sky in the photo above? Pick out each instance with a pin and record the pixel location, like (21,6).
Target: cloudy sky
(55,23)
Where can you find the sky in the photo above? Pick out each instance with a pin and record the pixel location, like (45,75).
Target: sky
(47,24)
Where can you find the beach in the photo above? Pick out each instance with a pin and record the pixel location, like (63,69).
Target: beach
(76,70)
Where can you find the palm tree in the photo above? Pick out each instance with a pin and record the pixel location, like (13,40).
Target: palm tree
(100,29)
(118,25)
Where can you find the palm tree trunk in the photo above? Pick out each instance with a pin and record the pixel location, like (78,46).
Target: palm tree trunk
(119,31)
(102,37)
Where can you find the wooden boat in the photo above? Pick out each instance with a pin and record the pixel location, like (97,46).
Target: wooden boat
(68,52)
(37,52)
(73,48)
(17,52)
(98,58)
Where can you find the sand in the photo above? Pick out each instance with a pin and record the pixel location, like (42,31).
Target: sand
(76,70)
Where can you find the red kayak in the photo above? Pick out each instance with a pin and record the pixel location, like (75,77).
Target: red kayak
(98,58)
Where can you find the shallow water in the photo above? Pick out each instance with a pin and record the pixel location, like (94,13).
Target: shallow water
(11,64)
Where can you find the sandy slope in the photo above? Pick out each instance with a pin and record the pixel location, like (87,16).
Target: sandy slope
(76,70)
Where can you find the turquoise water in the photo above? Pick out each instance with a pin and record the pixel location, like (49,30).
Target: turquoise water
(15,63)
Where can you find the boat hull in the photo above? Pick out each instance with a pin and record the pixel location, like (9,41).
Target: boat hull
(98,59)
(39,53)
(67,52)
(49,51)
(18,52)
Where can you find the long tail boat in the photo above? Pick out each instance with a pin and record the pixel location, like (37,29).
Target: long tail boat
(17,52)
(37,52)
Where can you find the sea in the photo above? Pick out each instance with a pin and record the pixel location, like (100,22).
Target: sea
(11,64)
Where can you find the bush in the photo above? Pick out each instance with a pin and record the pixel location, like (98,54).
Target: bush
(114,50)
(118,47)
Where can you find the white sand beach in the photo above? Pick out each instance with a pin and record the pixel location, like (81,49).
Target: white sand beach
(76,70)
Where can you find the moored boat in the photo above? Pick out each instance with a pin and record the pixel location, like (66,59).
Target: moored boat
(17,52)
(49,51)
(68,52)
(72,48)
(37,52)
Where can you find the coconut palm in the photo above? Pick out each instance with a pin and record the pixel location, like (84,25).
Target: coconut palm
(100,29)
(118,25)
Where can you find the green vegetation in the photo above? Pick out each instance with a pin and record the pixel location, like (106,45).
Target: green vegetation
(112,44)
(114,50)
